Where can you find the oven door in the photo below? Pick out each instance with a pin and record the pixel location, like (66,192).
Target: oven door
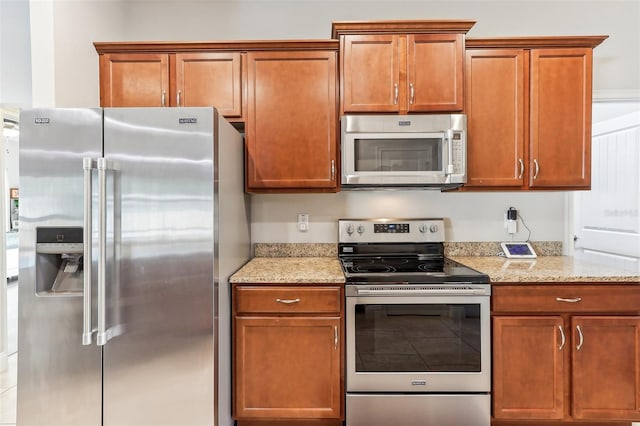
(418,343)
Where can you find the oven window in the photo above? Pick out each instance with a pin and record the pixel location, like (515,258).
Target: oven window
(398,155)
(417,338)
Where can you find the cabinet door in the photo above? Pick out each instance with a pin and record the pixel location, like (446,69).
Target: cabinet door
(606,367)
(287,367)
(529,367)
(134,80)
(291,132)
(435,69)
(561,118)
(495,107)
(209,79)
(370,73)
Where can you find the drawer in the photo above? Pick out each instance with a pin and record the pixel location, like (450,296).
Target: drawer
(287,300)
(566,298)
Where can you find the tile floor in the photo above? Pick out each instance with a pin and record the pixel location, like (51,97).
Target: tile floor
(8,378)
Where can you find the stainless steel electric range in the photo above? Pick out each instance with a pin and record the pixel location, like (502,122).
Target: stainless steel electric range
(418,329)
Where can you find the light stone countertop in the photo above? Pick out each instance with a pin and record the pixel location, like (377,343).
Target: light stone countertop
(291,270)
(318,263)
(546,269)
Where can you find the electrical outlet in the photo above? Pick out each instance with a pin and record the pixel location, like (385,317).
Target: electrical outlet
(303,222)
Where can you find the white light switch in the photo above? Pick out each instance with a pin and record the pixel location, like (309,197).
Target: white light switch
(303,222)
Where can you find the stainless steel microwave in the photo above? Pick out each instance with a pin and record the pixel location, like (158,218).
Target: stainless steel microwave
(400,151)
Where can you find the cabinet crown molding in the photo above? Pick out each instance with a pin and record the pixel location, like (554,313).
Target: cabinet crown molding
(400,27)
(536,41)
(200,46)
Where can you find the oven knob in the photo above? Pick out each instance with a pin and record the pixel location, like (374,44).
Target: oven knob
(423,228)
(349,229)
(360,229)
(433,229)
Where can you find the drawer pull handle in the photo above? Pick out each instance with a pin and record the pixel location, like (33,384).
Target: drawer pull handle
(564,340)
(580,336)
(572,300)
(288,301)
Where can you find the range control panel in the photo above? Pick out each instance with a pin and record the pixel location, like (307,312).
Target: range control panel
(391,230)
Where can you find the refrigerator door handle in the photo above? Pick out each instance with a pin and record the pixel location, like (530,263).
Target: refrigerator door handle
(88,164)
(101,337)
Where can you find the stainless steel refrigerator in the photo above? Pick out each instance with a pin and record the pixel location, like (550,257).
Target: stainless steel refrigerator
(131,222)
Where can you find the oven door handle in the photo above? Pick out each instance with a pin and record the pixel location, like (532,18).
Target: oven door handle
(421,292)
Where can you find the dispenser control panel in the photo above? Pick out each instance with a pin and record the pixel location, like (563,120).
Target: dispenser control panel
(57,240)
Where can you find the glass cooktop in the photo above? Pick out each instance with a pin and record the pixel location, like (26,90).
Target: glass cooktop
(411,269)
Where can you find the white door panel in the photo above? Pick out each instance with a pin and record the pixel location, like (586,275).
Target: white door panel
(607,219)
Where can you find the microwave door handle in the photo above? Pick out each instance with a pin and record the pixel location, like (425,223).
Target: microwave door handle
(449,138)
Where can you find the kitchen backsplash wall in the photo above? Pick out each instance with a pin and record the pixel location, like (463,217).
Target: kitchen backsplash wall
(470,216)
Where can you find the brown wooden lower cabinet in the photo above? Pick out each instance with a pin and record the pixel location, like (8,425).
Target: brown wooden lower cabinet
(288,355)
(581,364)
(290,422)
(496,422)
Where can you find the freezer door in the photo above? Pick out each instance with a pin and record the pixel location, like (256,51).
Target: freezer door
(59,379)
(159,357)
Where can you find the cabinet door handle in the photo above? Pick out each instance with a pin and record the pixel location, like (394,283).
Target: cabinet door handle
(164,95)
(580,337)
(333,169)
(335,337)
(521,168)
(288,301)
(395,93)
(535,163)
(562,336)
(178,97)
(572,300)
(412,92)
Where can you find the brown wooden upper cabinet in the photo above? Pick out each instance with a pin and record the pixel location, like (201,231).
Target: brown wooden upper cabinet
(528,106)
(292,120)
(168,78)
(401,66)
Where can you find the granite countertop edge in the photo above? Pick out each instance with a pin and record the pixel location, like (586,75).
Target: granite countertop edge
(290,270)
(543,270)
(318,264)
(547,270)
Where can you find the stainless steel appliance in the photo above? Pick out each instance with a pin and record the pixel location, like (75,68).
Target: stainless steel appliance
(418,329)
(131,222)
(397,151)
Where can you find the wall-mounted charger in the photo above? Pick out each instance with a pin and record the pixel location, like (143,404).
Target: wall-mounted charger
(511,220)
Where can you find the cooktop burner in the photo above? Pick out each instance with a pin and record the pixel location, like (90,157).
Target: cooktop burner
(374,265)
(402,250)
(368,270)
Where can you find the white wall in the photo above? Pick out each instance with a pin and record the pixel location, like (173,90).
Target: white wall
(475,217)
(65,63)
(616,61)
(470,216)
(15,61)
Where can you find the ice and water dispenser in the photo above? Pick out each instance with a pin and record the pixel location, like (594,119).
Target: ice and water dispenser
(59,260)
